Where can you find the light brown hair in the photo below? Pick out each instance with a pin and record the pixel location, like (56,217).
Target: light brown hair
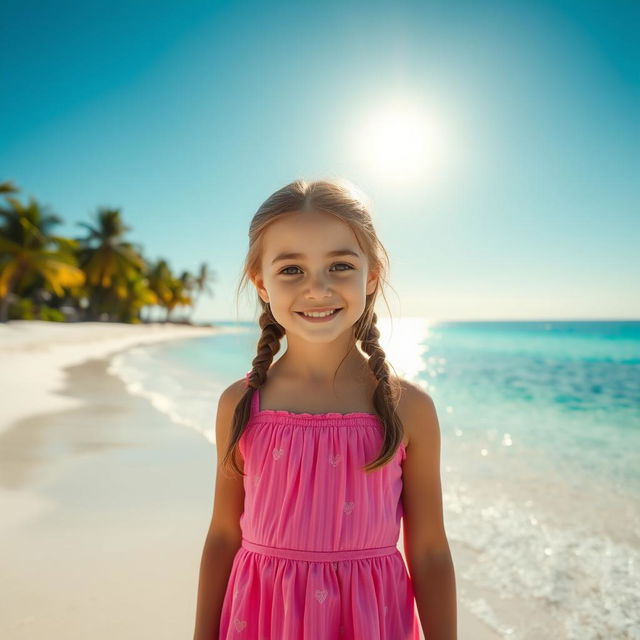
(343,200)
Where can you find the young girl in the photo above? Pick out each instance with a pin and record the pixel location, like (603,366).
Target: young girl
(334,450)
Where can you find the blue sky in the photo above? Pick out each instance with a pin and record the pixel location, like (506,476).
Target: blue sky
(187,115)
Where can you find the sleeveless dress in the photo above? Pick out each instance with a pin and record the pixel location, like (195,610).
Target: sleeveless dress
(318,558)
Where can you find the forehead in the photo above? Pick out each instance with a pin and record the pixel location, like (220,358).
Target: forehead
(309,234)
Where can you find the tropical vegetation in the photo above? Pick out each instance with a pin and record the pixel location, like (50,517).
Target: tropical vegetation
(96,277)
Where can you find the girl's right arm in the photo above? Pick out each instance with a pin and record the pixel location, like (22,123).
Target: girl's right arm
(224,536)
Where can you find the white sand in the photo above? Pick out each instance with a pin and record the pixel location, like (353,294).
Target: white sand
(34,353)
(105,502)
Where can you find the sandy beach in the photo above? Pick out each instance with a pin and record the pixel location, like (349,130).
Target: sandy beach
(105,500)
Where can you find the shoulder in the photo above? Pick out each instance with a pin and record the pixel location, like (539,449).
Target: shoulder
(417,411)
(232,394)
(227,404)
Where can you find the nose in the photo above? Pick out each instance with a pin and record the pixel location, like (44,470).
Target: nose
(317,287)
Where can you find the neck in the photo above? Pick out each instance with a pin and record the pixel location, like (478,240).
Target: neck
(319,363)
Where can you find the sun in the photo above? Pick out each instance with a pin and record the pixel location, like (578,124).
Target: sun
(403,142)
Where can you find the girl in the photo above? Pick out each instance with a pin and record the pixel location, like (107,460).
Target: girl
(334,450)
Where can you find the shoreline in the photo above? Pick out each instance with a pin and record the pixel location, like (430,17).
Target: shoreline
(107,503)
(35,353)
(105,523)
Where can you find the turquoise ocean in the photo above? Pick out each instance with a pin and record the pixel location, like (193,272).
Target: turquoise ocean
(540,457)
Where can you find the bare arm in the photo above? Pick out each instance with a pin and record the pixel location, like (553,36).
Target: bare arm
(224,536)
(426,545)
(215,568)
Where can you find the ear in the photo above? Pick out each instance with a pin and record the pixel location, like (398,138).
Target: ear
(372,282)
(258,283)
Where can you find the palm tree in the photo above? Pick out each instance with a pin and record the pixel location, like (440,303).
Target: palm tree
(169,290)
(29,250)
(179,293)
(139,295)
(188,282)
(8,187)
(201,282)
(160,279)
(108,262)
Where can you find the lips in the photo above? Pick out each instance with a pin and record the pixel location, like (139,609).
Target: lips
(320,310)
(321,318)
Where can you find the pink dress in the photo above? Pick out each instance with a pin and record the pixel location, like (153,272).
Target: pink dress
(318,559)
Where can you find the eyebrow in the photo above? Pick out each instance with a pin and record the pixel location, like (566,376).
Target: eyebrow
(296,256)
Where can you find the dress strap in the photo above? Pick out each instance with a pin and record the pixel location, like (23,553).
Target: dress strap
(255,402)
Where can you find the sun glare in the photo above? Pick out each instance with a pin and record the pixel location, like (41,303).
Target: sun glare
(403,143)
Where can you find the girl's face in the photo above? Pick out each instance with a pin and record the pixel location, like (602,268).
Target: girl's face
(313,278)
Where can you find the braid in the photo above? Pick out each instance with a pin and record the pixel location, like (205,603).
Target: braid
(268,346)
(386,395)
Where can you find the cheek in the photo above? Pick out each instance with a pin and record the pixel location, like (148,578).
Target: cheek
(356,283)
(286,284)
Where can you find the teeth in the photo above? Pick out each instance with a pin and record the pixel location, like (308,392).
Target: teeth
(317,314)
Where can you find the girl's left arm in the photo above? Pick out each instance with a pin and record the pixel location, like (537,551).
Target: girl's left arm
(425,542)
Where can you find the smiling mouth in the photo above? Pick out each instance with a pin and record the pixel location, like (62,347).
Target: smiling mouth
(326,317)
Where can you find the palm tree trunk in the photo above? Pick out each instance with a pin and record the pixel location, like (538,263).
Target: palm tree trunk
(193,308)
